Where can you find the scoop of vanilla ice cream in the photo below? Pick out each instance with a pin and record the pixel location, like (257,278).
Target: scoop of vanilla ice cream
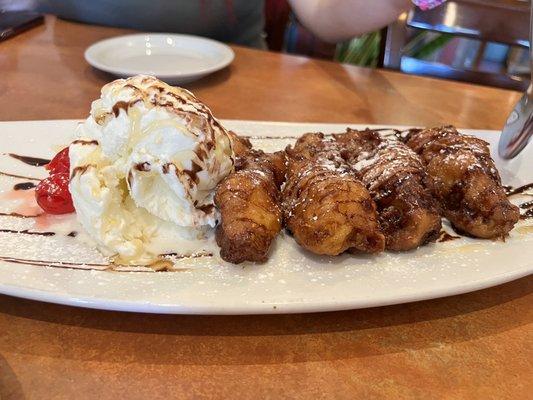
(144,170)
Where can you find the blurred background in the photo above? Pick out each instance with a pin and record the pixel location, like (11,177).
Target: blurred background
(479,41)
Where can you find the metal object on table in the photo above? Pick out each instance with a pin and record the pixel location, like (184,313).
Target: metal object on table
(500,21)
(519,126)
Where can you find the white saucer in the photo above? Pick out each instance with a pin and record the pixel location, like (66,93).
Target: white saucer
(173,58)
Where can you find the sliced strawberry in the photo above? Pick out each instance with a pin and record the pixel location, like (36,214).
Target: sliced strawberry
(60,163)
(53,196)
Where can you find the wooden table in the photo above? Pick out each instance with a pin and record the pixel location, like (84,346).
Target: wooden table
(474,346)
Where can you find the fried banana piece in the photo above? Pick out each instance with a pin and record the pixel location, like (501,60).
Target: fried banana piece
(245,156)
(393,174)
(248,200)
(327,209)
(241,145)
(463,178)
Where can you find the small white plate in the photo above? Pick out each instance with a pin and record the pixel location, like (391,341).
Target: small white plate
(176,59)
(67,270)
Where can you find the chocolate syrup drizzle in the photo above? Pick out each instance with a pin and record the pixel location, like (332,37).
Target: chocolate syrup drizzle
(511,191)
(193,172)
(528,206)
(46,263)
(27,232)
(446,237)
(394,132)
(39,162)
(271,137)
(24,186)
(33,161)
(29,178)
(17,215)
(85,142)
(527,215)
(96,266)
(206,208)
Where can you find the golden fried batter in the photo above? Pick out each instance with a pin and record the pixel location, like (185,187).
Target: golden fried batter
(241,145)
(393,174)
(248,200)
(463,178)
(327,209)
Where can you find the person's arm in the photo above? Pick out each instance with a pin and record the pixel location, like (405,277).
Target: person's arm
(337,20)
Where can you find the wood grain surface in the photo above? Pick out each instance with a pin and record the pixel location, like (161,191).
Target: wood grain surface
(473,346)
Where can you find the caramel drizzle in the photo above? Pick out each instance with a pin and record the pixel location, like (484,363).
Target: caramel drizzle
(96,266)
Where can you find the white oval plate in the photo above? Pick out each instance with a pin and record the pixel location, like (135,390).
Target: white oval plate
(292,281)
(174,58)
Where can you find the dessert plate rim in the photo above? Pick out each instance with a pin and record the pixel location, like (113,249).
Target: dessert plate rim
(243,308)
(262,303)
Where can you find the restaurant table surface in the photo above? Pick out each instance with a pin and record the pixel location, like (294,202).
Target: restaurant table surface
(473,346)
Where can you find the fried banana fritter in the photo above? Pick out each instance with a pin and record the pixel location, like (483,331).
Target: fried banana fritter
(327,209)
(241,146)
(463,178)
(249,204)
(393,174)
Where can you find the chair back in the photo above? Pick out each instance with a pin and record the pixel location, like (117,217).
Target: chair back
(501,21)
